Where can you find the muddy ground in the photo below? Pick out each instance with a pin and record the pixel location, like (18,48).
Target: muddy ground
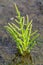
(34,8)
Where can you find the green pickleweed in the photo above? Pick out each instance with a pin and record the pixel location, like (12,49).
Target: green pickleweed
(22,34)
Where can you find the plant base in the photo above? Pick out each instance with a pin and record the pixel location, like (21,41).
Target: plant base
(22,60)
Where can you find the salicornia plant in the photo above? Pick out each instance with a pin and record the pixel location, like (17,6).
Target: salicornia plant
(22,34)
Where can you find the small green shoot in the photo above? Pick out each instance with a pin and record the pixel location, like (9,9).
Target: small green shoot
(23,35)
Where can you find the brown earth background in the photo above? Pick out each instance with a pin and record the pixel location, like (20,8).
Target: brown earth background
(34,8)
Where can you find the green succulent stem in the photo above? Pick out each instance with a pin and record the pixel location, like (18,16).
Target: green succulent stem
(23,35)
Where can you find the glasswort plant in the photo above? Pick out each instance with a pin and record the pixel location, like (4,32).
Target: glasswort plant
(22,34)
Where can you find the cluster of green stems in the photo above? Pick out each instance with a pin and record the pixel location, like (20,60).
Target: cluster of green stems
(22,34)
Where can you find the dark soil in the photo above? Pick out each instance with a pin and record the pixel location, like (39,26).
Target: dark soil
(34,8)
